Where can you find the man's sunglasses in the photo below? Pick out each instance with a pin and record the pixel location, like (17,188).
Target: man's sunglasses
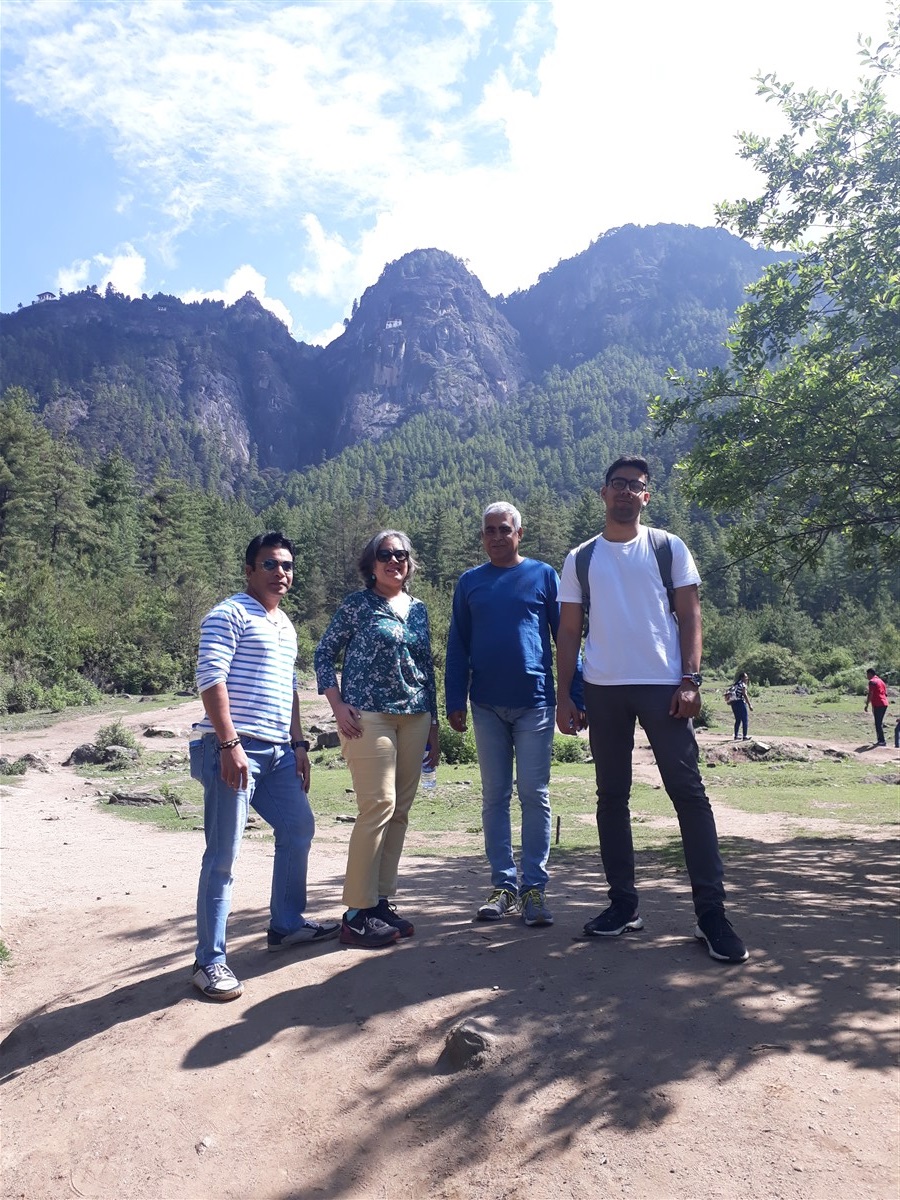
(387,555)
(273,564)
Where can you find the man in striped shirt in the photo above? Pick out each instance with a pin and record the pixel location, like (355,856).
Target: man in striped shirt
(252,752)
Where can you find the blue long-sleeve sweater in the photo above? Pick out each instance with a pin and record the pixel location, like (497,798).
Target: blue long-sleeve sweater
(499,649)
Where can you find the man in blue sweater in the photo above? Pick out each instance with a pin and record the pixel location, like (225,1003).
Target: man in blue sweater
(500,657)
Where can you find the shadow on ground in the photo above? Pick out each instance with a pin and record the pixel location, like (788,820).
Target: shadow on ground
(606,1029)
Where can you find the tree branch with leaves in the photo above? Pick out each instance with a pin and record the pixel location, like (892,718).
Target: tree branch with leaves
(798,434)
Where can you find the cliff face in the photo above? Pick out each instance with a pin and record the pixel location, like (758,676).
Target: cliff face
(197,387)
(204,390)
(426,335)
(668,292)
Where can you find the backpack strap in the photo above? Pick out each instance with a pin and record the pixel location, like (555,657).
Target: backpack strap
(582,563)
(662,548)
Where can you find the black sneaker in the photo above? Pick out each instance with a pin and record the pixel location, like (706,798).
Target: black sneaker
(613,921)
(722,942)
(386,912)
(309,932)
(367,931)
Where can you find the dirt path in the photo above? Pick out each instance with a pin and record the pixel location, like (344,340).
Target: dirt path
(635,1069)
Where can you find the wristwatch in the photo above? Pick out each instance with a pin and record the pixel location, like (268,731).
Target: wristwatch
(302,744)
(695,678)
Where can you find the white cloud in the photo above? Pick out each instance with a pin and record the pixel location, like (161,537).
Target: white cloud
(125,270)
(392,126)
(244,279)
(73,277)
(332,264)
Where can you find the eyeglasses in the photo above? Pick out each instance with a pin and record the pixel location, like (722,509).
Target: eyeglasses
(275,564)
(387,555)
(504,530)
(619,483)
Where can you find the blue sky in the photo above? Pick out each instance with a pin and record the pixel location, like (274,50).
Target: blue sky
(292,149)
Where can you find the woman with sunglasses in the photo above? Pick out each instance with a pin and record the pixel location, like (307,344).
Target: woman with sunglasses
(386,714)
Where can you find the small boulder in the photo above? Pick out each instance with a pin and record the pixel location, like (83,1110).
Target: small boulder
(87,752)
(137,799)
(33,762)
(162,731)
(465,1049)
(328,741)
(118,754)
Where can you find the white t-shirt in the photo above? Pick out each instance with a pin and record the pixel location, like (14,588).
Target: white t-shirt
(632,637)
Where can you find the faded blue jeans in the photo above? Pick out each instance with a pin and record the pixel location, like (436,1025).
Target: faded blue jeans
(525,734)
(276,792)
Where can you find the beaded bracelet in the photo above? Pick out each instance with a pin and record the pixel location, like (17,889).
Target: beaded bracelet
(230,745)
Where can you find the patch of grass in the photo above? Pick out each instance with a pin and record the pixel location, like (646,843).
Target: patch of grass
(448,820)
(825,788)
(5,954)
(118,706)
(780,712)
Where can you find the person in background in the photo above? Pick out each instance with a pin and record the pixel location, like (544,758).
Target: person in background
(641,662)
(876,695)
(500,657)
(386,714)
(252,752)
(740,703)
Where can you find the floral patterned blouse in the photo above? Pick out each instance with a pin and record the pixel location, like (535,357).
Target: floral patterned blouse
(388,666)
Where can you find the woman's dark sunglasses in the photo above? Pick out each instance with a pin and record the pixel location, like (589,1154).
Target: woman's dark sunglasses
(387,555)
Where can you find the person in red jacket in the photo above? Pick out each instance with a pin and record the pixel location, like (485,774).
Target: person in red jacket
(877,697)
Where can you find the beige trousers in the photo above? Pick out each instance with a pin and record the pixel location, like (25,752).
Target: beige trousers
(385,765)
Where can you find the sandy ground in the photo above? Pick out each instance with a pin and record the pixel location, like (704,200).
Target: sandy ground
(633,1068)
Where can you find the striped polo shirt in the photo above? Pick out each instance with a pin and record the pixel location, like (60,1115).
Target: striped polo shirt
(252,652)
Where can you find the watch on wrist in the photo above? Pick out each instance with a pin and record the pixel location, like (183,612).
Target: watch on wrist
(300,744)
(695,678)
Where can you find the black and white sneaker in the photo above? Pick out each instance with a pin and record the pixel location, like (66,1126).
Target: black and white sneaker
(613,921)
(216,982)
(309,932)
(722,942)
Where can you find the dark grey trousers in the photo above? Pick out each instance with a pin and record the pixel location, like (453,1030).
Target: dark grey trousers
(612,712)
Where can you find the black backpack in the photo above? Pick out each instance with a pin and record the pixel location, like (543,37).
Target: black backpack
(662,548)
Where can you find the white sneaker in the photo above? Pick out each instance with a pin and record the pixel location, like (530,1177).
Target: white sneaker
(498,904)
(216,981)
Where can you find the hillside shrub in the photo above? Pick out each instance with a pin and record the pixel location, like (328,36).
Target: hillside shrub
(570,749)
(769,663)
(115,734)
(23,695)
(851,682)
(830,661)
(458,747)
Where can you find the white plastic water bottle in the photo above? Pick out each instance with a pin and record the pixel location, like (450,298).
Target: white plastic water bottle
(429,774)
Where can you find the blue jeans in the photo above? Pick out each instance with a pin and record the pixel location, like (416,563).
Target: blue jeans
(275,791)
(739,708)
(612,711)
(527,734)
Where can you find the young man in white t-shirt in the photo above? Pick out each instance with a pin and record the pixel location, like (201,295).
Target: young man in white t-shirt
(641,662)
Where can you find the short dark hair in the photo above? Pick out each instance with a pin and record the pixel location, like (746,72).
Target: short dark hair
(366,561)
(870,671)
(628,460)
(273,538)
